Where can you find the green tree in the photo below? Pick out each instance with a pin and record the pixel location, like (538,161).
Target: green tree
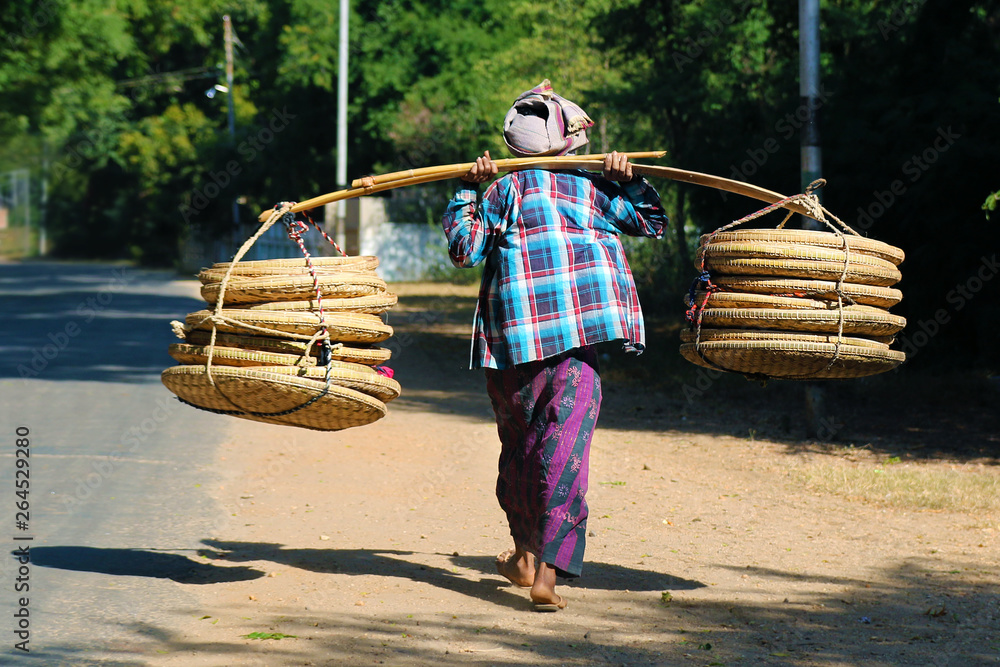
(705,80)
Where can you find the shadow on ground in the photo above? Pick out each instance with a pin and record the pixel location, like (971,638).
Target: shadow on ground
(914,615)
(398,563)
(138,563)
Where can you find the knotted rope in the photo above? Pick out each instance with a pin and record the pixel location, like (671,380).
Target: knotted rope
(809,201)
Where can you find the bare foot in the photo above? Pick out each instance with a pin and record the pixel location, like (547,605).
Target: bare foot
(518,566)
(543,589)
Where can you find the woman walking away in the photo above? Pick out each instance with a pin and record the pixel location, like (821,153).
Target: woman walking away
(555,283)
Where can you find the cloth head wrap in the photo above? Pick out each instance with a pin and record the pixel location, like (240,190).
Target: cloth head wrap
(543,123)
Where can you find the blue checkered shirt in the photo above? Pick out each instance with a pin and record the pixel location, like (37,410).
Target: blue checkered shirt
(555,276)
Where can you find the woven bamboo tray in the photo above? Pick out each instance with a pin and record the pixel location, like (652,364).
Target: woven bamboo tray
(240,272)
(294,288)
(868,295)
(791,359)
(862,320)
(856,244)
(343,327)
(373,303)
(757,250)
(866,271)
(369,356)
(367,382)
(736,335)
(261,395)
(185,353)
(744,300)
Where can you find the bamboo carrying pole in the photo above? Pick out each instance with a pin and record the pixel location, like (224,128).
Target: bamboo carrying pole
(508,164)
(596,163)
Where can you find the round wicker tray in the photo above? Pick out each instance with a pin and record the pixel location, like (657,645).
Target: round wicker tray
(717,335)
(261,395)
(869,271)
(753,250)
(367,382)
(368,356)
(185,353)
(811,238)
(868,295)
(863,320)
(294,288)
(343,327)
(215,275)
(373,303)
(745,300)
(793,359)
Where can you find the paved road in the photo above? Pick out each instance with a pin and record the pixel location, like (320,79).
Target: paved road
(120,475)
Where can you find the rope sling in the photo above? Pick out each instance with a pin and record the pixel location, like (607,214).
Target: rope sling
(295,229)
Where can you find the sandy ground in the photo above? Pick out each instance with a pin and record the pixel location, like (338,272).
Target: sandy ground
(375,545)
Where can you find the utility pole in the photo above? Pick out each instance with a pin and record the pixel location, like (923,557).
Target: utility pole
(227,24)
(811,164)
(341,174)
(44,203)
(809,97)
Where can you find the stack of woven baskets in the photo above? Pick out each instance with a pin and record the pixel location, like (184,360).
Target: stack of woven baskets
(794,304)
(290,341)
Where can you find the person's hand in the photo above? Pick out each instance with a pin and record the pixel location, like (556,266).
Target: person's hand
(617,167)
(483,170)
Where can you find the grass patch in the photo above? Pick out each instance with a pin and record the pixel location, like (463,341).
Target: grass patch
(911,486)
(269,635)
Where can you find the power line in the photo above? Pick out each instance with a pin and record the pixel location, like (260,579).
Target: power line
(173,77)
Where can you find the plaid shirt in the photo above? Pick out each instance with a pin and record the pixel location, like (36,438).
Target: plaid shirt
(556,276)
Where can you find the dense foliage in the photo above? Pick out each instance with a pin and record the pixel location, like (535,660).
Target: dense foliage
(107,103)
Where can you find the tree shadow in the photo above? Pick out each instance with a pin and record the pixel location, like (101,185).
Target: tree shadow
(912,613)
(394,563)
(597,576)
(139,563)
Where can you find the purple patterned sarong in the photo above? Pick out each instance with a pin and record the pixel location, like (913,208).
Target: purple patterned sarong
(546,413)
